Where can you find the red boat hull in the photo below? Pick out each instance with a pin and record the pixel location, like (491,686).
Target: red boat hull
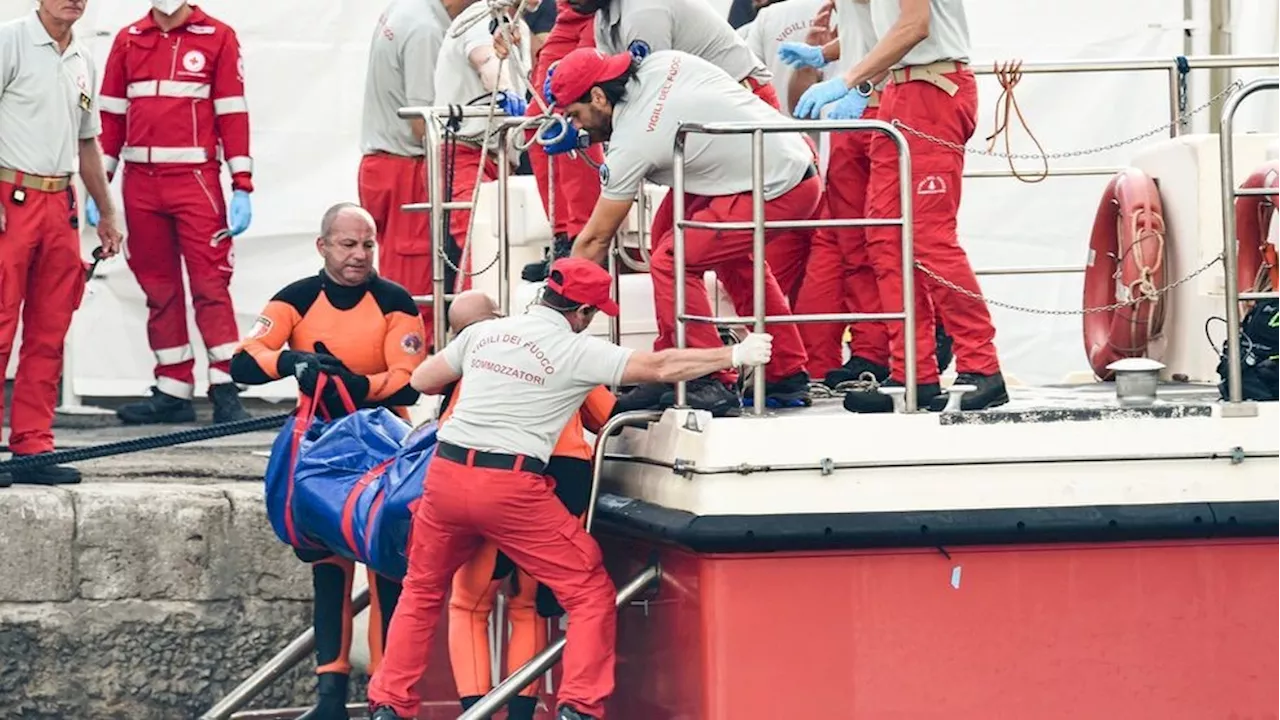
(1168,630)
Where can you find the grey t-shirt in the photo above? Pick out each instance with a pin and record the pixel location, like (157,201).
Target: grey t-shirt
(523,378)
(775,24)
(691,26)
(948,31)
(673,87)
(402,61)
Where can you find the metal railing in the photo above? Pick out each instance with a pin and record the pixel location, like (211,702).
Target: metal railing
(1235,405)
(545,660)
(760,226)
(1177,93)
(437,205)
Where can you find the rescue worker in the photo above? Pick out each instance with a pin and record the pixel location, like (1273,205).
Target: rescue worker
(636,105)
(777,22)
(467,72)
(923,45)
(476,583)
(49,126)
(393,168)
(348,322)
(840,276)
(577,181)
(524,377)
(172,105)
(644,26)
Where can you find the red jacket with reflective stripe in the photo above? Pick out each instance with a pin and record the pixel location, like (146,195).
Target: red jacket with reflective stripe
(170,99)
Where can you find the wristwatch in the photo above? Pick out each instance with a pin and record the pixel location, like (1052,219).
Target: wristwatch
(864,88)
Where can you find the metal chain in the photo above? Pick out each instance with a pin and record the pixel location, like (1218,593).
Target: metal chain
(1182,119)
(1149,293)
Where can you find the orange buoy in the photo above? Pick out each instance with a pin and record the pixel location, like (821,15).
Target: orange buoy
(1257,257)
(1126,261)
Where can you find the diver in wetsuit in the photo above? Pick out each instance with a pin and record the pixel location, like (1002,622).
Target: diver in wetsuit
(351,324)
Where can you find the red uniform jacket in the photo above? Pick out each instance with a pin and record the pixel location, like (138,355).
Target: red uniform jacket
(169,99)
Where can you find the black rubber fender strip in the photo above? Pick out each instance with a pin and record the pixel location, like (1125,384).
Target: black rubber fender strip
(153,442)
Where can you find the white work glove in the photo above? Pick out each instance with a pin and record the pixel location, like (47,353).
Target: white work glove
(755,349)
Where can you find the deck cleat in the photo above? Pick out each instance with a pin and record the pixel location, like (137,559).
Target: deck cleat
(880,398)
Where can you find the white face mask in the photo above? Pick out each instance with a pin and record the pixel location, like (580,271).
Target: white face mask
(168,7)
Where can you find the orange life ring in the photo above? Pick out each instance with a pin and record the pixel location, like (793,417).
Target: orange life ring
(1253,219)
(1126,260)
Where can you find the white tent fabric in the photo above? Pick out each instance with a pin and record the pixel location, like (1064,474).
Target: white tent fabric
(305,66)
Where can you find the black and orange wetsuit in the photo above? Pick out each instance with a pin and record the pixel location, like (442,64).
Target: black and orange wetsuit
(476,583)
(375,331)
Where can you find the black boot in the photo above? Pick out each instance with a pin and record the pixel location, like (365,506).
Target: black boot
(648,396)
(159,408)
(521,707)
(567,713)
(708,393)
(990,392)
(790,391)
(561,247)
(332,705)
(384,712)
(874,401)
(44,475)
(854,370)
(226,403)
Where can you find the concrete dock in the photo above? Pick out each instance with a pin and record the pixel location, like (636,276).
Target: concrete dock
(150,589)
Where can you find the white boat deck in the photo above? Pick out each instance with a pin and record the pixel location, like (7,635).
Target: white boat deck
(1049,446)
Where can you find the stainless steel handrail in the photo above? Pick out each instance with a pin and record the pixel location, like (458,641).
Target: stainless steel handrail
(545,660)
(279,664)
(633,418)
(1235,405)
(437,205)
(759,225)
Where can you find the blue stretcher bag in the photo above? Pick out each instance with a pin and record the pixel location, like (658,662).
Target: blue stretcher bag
(349,485)
(294,440)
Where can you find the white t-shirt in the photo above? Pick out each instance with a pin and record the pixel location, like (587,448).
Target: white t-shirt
(456,79)
(775,24)
(691,26)
(856,30)
(673,87)
(402,61)
(948,31)
(48,100)
(524,376)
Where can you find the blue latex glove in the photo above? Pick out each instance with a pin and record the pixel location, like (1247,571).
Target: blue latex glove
(800,55)
(568,143)
(546,86)
(241,212)
(849,107)
(513,105)
(91,214)
(818,96)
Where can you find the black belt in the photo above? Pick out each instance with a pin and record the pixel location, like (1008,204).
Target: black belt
(811,172)
(495,461)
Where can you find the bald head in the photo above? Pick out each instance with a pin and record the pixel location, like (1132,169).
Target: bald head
(470,307)
(347,242)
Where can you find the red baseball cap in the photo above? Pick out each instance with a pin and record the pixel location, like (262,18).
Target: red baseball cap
(579,70)
(582,281)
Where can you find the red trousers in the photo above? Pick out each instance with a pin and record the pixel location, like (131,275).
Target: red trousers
(936,179)
(176,217)
(839,277)
(42,280)
(466,163)
(518,511)
(577,184)
(386,182)
(728,252)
